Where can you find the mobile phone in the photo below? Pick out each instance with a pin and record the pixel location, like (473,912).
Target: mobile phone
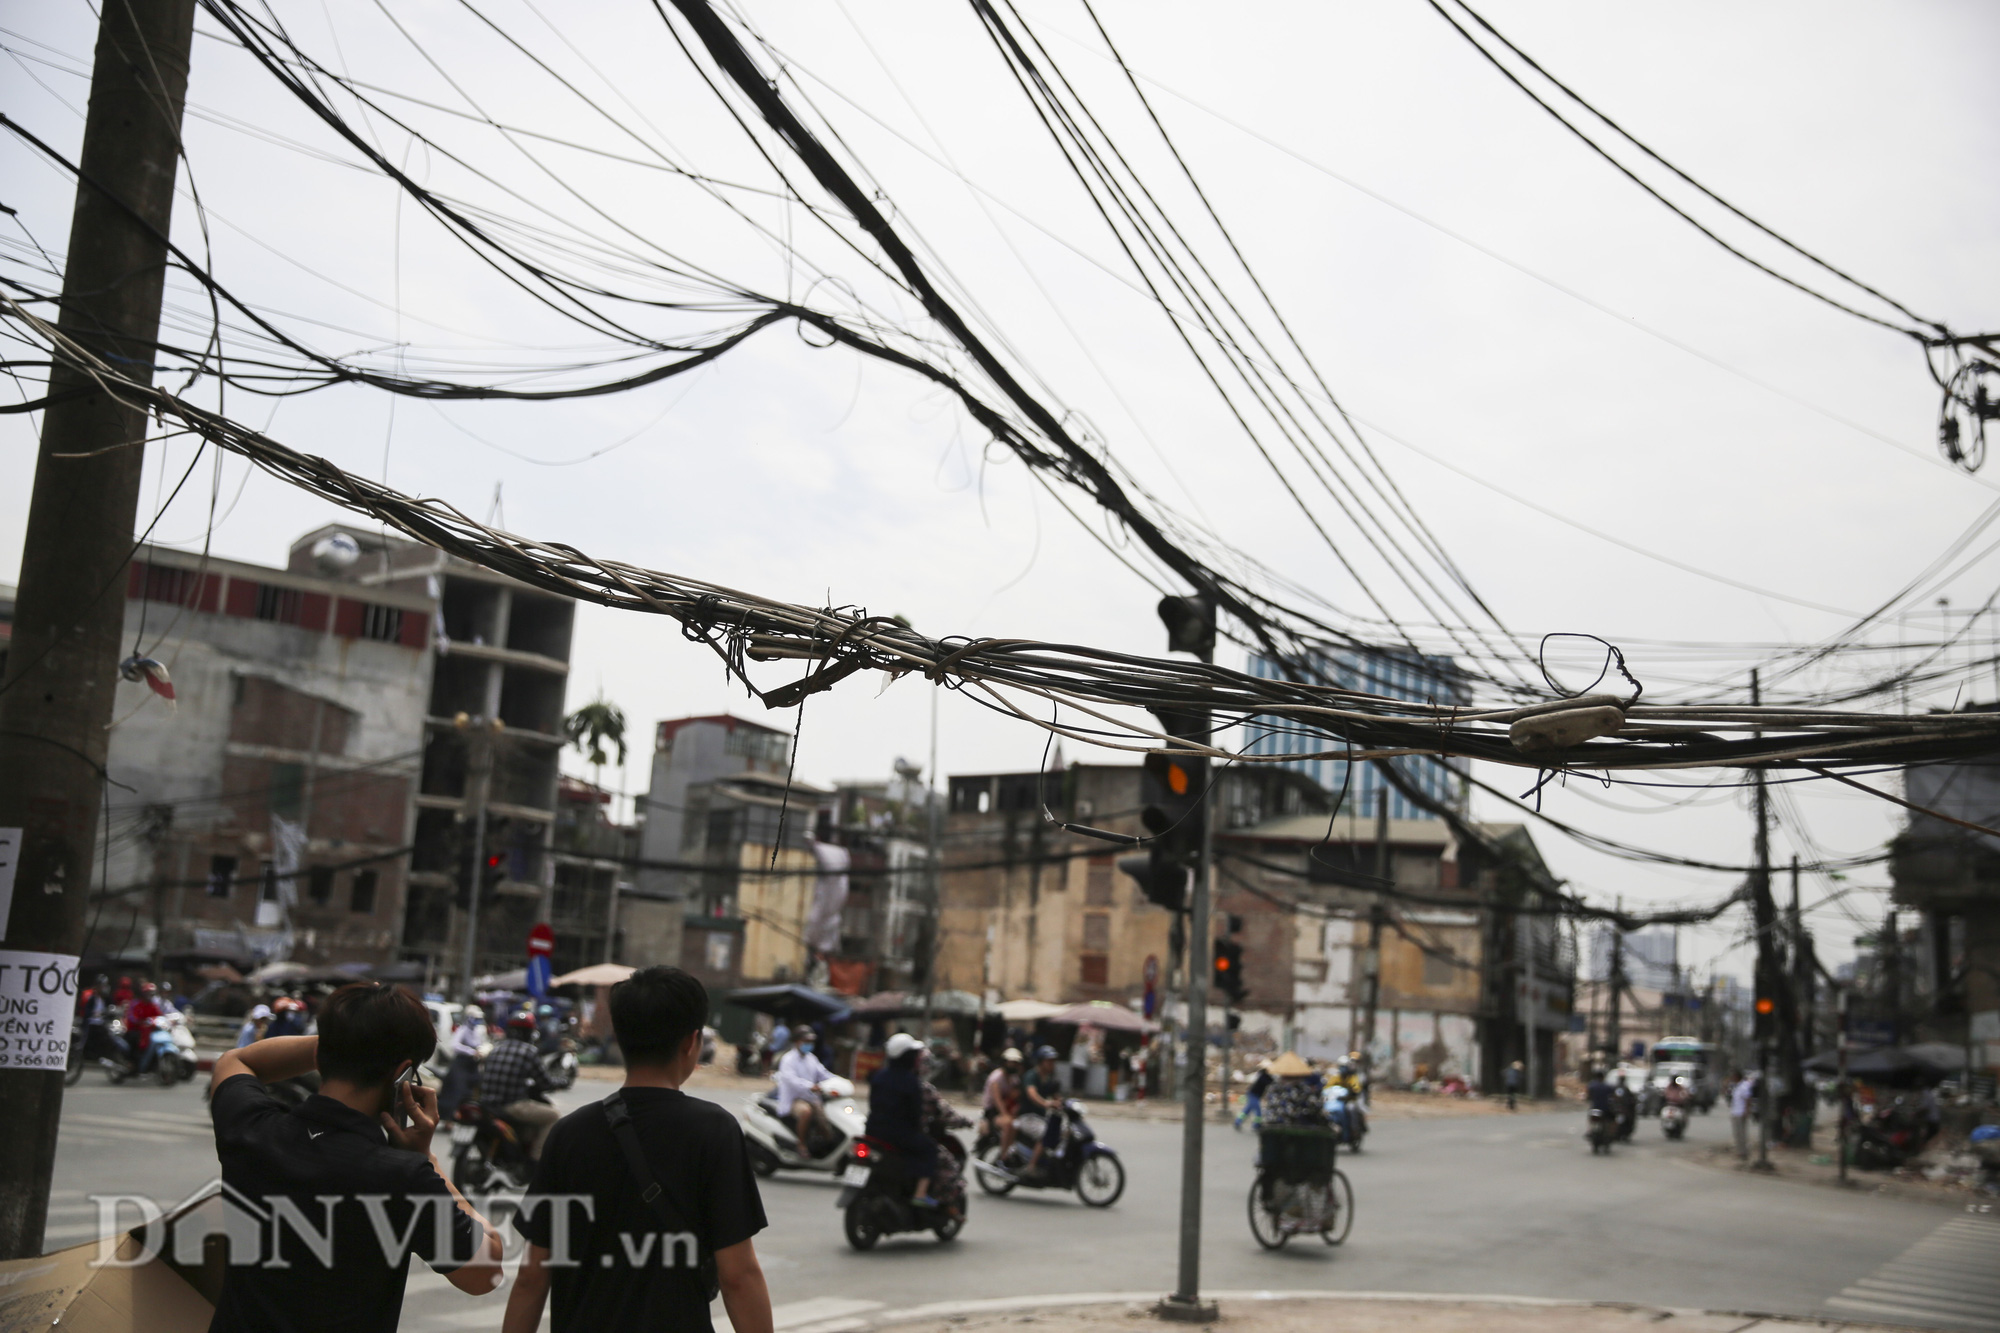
(412,1077)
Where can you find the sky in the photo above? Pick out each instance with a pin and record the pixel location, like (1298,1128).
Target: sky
(1552,368)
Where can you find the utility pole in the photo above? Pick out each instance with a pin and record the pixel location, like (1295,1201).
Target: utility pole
(1614,1032)
(1373,992)
(1770,975)
(62,677)
(480,733)
(1892,975)
(935,878)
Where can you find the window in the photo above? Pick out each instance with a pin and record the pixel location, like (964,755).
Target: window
(221,876)
(1439,972)
(1097,933)
(716,955)
(758,746)
(288,790)
(319,885)
(284,605)
(267,890)
(384,624)
(361,893)
(1097,882)
(1096,970)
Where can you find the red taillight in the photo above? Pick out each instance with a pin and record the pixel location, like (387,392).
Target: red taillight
(860,1150)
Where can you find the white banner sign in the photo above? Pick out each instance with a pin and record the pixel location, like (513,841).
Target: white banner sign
(37,1002)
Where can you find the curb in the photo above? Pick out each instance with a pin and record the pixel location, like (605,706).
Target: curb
(859,1321)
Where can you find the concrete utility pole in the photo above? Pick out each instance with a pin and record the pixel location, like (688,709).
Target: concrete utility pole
(1376,912)
(479,733)
(1614,1032)
(55,710)
(1770,976)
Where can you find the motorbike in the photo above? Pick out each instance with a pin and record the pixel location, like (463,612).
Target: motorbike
(487,1152)
(559,1065)
(1343,1109)
(1087,1164)
(1673,1120)
(877,1196)
(774,1143)
(1626,1118)
(99,1044)
(1602,1127)
(174,1059)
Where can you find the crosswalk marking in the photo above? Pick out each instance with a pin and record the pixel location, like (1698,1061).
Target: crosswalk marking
(151,1124)
(1946,1280)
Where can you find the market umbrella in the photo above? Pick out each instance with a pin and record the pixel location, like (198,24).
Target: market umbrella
(218,972)
(597,974)
(882,1004)
(271,972)
(1104,1014)
(1027,1011)
(403,971)
(1877,1064)
(792,1003)
(503,981)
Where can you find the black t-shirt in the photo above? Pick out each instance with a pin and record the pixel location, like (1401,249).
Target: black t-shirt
(623,1274)
(1050,1086)
(286,1173)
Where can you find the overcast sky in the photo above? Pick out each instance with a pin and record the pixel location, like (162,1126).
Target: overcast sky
(1548,330)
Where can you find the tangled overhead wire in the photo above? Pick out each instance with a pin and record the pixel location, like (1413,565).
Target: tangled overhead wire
(1020,677)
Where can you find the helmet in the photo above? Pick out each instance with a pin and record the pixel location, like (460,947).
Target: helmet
(285,1004)
(547,1011)
(1012,1056)
(1044,1053)
(262,1011)
(522,1022)
(803,1033)
(901,1045)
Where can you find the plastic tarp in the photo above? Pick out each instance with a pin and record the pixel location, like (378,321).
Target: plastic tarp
(792,1003)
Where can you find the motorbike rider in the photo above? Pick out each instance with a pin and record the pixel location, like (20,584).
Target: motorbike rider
(1676,1093)
(288,1017)
(139,1016)
(896,1112)
(1003,1097)
(466,1035)
(799,1075)
(254,1026)
(1625,1105)
(1597,1094)
(96,1006)
(513,1082)
(940,1119)
(1044,1090)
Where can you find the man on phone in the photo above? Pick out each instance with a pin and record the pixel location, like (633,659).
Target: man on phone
(644,1204)
(348,1182)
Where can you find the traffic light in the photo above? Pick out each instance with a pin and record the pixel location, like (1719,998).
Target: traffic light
(1163,883)
(1229,968)
(1173,791)
(490,876)
(1190,623)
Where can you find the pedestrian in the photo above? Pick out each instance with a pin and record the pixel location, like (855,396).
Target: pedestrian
(466,1035)
(1253,1098)
(781,1037)
(351,1190)
(1511,1080)
(644,1204)
(513,1082)
(1739,1113)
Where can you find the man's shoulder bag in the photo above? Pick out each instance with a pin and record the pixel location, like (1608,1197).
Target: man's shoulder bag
(663,1208)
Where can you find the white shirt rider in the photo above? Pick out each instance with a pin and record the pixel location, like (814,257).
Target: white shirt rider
(799,1072)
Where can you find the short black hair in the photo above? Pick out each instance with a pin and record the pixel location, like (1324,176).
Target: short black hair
(654,1010)
(368,1028)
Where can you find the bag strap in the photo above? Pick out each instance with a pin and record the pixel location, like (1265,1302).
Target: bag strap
(620,1117)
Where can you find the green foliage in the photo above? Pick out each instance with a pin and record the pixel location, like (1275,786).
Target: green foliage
(594,727)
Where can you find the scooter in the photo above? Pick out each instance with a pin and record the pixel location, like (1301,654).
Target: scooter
(559,1065)
(1601,1130)
(99,1044)
(174,1059)
(487,1152)
(1673,1120)
(1343,1108)
(774,1143)
(878,1192)
(1086,1164)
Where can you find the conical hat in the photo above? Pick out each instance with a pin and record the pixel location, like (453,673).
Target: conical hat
(1289,1065)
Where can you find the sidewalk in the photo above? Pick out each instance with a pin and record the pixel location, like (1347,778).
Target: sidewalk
(1924,1181)
(1286,1312)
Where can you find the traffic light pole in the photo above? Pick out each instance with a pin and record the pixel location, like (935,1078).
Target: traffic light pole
(1186,1304)
(62,677)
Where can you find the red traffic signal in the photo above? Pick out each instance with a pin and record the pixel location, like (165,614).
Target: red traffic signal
(1764,1005)
(1227,973)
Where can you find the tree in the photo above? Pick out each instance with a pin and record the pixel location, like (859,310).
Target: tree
(593,727)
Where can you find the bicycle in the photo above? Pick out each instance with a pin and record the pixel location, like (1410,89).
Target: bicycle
(1298,1190)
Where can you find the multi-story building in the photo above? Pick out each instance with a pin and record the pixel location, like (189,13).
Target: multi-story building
(1948,876)
(727,839)
(887,935)
(266,811)
(1466,968)
(593,908)
(500,652)
(1387,672)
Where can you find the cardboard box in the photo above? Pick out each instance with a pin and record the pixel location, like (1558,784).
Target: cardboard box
(130,1294)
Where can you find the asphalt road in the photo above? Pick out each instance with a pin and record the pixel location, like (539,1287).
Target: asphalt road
(1510,1205)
